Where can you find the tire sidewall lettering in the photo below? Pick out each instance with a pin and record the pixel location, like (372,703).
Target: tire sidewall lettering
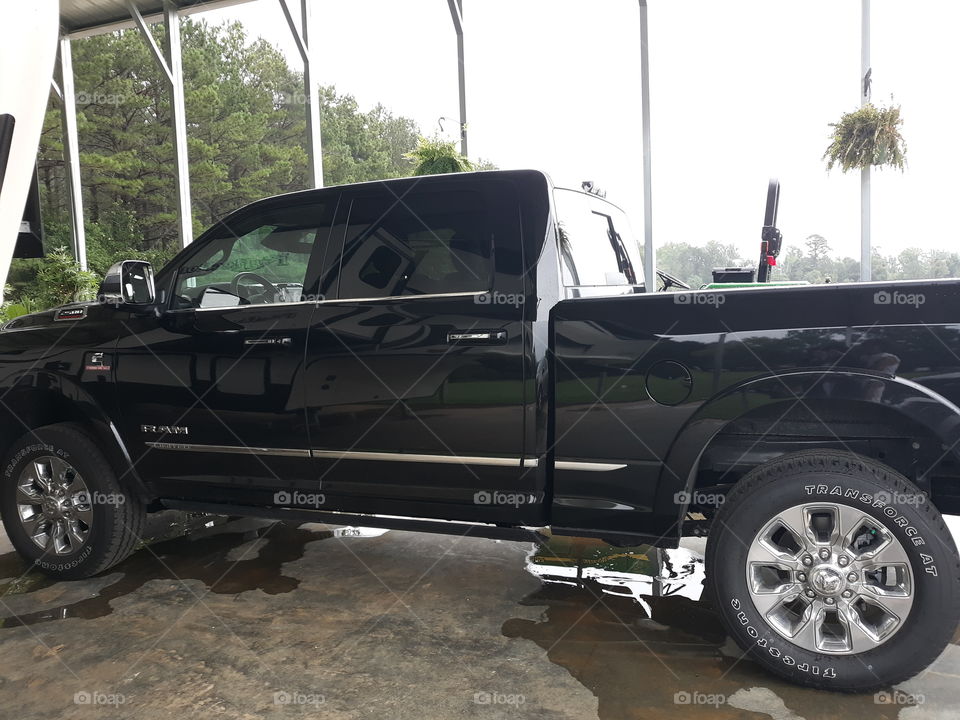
(765,643)
(893,519)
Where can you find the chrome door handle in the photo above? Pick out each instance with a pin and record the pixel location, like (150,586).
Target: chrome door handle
(495,336)
(269,341)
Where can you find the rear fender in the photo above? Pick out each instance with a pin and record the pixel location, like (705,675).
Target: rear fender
(926,408)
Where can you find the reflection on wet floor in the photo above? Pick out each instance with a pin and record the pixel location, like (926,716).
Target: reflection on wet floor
(229,556)
(627,623)
(639,572)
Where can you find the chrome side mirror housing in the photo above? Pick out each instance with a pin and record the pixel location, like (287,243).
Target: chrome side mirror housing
(128,283)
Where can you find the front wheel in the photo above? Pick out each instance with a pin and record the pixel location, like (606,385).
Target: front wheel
(834,571)
(63,506)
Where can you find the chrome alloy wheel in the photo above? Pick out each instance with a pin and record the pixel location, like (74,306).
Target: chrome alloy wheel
(54,505)
(830,578)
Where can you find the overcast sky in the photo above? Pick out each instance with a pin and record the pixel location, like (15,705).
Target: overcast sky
(741,90)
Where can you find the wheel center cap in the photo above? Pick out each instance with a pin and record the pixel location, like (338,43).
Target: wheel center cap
(52,507)
(827,580)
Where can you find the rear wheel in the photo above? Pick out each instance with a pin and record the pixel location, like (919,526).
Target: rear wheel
(834,571)
(63,507)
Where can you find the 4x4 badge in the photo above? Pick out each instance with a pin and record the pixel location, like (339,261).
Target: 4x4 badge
(97,361)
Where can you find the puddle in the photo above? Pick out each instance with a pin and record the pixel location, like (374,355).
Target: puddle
(639,572)
(628,624)
(228,556)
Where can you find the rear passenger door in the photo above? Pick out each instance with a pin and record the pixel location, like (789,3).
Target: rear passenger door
(415,371)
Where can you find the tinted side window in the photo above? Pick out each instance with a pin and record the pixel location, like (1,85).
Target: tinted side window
(259,260)
(421,242)
(596,244)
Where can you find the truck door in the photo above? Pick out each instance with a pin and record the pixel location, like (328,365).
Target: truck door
(415,372)
(212,391)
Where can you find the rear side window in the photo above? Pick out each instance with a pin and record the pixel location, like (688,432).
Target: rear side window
(597,246)
(419,242)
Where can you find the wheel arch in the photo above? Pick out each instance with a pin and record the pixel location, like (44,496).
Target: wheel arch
(40,398)
(896,407)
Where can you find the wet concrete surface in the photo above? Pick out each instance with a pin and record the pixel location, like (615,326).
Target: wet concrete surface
(250,619)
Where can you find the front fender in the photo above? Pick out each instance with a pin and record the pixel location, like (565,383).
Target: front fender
(42,396)
(789,390)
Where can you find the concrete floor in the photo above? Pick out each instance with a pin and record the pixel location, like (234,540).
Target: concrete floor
(253,619)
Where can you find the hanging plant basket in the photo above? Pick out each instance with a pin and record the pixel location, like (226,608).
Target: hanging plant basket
(868,137)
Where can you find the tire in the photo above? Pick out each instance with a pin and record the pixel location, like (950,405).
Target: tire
(900,558)
(87,524)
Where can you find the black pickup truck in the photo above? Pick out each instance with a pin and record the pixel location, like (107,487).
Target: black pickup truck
(477,354)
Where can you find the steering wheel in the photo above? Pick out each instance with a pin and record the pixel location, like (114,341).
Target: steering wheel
(670,281)
(268,286)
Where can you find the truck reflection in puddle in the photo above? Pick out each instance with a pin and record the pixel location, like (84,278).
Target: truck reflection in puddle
(639,572)
(228,555)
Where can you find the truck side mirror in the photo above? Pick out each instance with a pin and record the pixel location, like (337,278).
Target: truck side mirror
(129,282)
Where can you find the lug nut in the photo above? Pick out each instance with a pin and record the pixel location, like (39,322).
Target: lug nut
(852,577)
(810,593)
(843,560)
(824,554)
(848,593)
(802,577)
(829,601)
(807,560)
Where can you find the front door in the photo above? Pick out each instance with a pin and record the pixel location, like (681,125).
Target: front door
(212,392)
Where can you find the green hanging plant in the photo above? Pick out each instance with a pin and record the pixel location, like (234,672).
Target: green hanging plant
(435,157)
(867,137)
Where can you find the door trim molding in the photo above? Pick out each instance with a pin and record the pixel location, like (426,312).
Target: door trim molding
(386,456)
(229,449)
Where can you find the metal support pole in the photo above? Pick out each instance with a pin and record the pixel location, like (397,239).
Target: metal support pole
(649,255)
(865,249)
(456,12)
(311,91)
(71,153)
(181,159)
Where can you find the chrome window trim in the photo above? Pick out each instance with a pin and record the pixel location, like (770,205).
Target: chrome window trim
(471,293)
(468,293)
(245,307)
